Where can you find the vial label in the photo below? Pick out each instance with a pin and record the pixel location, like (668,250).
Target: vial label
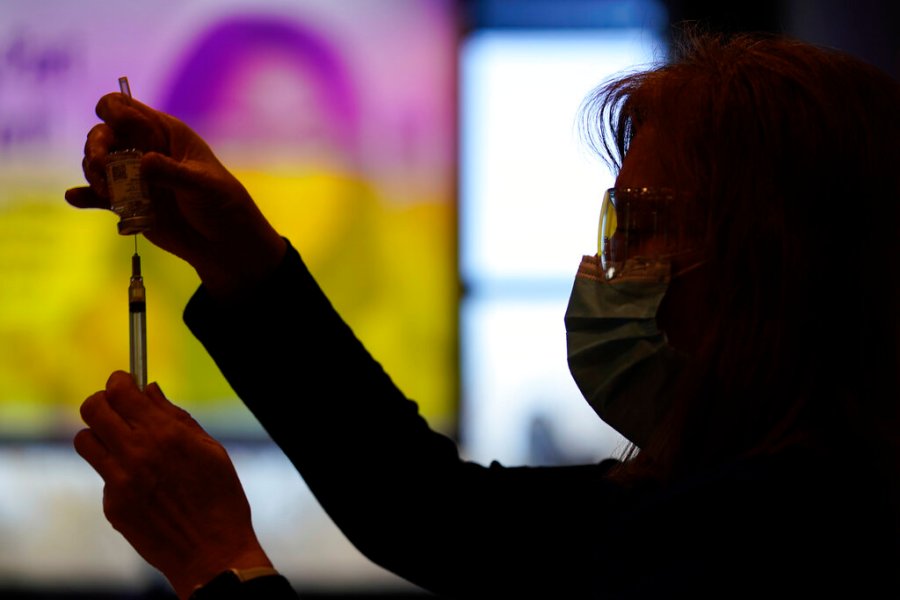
(129,197)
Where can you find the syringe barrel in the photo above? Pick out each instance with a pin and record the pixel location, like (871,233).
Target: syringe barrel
(138,344)
(137,330)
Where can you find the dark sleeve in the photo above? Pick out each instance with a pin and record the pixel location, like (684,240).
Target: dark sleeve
(399,491)
(229,587)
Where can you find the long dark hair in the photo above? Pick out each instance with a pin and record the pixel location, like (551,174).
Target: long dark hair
(793,151)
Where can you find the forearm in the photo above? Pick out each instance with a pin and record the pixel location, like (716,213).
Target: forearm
(286,344)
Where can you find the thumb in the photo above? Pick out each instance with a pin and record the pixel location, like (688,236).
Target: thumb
(85,197)
(156,394)
(159,399)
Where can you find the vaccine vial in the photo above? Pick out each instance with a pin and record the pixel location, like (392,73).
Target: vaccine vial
(128,194)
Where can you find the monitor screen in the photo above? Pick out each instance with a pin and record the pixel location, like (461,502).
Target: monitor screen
(346,139)
(343,136)
(530,198)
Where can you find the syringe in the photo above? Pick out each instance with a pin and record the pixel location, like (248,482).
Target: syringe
(137,332)
(137,295)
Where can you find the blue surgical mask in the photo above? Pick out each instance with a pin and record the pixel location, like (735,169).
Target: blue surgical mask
(620,360)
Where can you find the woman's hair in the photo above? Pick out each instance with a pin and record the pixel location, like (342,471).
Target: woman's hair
(792,152)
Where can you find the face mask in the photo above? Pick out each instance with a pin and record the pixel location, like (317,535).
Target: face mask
(617,355)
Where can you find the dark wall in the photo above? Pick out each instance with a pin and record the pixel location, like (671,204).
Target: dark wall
(869,29)
(722,15)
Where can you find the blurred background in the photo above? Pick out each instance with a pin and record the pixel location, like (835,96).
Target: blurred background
(424,157)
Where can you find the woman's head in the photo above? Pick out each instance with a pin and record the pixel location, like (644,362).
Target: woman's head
(790,150)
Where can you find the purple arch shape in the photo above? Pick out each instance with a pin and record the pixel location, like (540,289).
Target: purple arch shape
(196,87)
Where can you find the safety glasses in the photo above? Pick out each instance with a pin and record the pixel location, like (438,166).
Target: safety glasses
(646,223)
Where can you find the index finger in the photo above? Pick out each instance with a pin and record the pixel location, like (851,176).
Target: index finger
(135,124)
(128,401)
